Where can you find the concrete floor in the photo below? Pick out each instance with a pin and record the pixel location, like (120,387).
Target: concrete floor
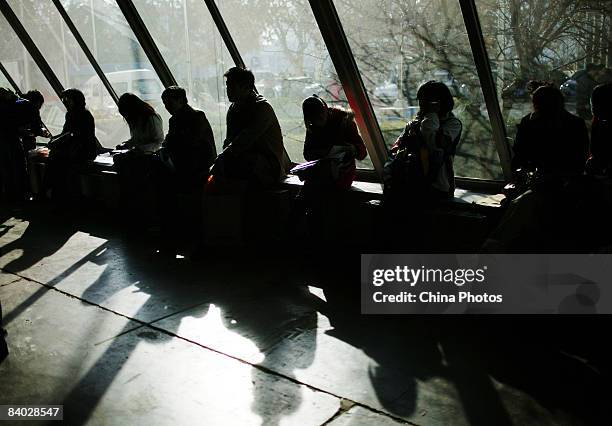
(97,323)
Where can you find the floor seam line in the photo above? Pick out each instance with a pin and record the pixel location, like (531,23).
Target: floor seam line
(256,366)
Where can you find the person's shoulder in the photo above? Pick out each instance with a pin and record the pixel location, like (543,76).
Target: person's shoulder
(572,119)
(451,120)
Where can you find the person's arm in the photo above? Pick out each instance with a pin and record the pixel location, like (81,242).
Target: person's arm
(204,137)
(262,119)
(171,136)
(429,128)
(312,149)
(583,147)
(519,149)
(355,141)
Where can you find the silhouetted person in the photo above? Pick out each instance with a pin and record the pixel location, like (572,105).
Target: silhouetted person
(73,148)
(586,80)
(9,147)
(551,139)
(33,125)
(554,143)
(433,136)
(253,150)
(333,138)
(133,166)
(189,145)
(20,125)
(187,153)
(600,161)
(146,126)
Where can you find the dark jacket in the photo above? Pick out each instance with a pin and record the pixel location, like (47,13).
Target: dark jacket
(340,129)
(253,132)
(601,147)
(81,145)
(190,142)
(554,145)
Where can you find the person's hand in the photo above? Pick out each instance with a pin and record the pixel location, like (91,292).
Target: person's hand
(430,106)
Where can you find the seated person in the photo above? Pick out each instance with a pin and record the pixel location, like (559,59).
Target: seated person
(146,136)
(75,146)
(11,152)
(183,163)
(189,147)
(554,143)
(253,151)
(32,123)
(146,127)
(600,160)
(331,134)
(433,137)
(551,139)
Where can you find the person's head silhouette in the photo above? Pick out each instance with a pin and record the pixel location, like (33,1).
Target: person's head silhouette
(174,99)
(315,112)
(73,99)
(240,83)
(435,96)
(548,100)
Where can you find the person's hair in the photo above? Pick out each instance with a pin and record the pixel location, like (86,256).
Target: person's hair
(533,85)
(76,96)
(438,91)
(132,108)
(601,99)
(312,106)
(35,97)
(548,100)
(175,92)
(243,76)
(7,95)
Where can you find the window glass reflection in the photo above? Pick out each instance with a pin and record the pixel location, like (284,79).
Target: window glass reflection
(281,43)
(399,45)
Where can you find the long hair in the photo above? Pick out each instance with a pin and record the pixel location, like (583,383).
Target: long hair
(134,109)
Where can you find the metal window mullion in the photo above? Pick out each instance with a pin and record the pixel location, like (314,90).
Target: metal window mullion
(10,79)
(29,44)
(213,9)
(340,52)
(146,42)
(85,49)
(487,83)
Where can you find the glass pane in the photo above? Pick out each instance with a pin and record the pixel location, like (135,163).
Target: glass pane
(195,53)
(46,27)
(398,45)
(4,82)
(281,43)
(551,41)
(28,76)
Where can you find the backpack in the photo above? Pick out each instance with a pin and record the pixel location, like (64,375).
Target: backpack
(412,168)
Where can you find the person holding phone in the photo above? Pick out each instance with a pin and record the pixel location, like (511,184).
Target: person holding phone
(434,134)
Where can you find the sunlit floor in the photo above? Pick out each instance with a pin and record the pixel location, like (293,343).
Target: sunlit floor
(97,323)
